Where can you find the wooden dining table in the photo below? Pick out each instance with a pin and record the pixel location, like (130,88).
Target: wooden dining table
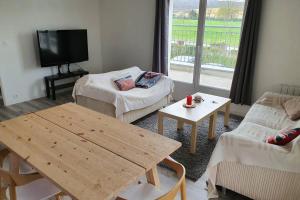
(87,154)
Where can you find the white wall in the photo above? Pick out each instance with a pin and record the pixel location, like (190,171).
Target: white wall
(127,30)
(127,39)
(278,56)
(20,74)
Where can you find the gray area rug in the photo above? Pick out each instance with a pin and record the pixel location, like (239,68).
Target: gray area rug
(195,164)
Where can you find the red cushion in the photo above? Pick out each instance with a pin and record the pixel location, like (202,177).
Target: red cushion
(125,83)
(284,137)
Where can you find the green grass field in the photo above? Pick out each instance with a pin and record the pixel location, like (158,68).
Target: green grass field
(186,30)
(215,40)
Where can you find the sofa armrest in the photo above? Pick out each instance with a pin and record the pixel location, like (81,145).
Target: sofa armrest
(242,142)
(296,145)
(273,99)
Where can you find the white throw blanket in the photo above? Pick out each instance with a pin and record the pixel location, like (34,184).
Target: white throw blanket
(245,145)
(101,87)
(235,148)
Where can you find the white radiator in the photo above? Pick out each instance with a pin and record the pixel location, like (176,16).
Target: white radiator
(290,89)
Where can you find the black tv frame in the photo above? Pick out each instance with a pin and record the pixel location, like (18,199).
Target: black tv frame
(59,65)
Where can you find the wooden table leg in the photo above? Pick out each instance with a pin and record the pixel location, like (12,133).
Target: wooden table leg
(14,163)
(226,115)
(160,123)
(212,126)
(180,125)
(152,176)
(194,138)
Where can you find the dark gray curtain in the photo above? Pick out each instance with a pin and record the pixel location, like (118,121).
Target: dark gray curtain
(241,89)
(160,49)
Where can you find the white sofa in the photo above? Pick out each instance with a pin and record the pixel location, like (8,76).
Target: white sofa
(98,92)
(244,163)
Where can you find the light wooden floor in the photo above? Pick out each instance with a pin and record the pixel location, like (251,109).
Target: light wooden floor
(195,190)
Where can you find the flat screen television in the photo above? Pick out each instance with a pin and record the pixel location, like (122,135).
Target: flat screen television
(59,47)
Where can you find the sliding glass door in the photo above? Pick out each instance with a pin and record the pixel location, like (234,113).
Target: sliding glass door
(184,31)
(205,41)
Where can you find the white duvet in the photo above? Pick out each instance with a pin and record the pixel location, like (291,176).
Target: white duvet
(101,87)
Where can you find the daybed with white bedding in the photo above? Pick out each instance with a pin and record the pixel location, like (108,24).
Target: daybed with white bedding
(98,92)
(244,163)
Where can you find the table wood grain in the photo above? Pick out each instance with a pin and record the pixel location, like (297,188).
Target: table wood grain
(87,154)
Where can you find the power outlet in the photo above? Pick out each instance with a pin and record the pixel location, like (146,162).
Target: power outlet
(15,96)
(3,44)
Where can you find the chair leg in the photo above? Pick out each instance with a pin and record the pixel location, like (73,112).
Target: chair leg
(59,196)
(12,192)
(183,190)
(3,154)
(120,198)
(3,193)
(1,189)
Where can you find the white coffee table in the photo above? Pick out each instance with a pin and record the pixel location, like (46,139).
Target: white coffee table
(207,108)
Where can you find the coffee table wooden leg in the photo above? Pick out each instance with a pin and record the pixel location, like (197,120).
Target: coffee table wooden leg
(180,124)
(226,114)
(194,138)
(160,124)
(212,126)
(152,176)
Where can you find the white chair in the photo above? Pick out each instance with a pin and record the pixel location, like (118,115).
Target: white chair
(40,189)
(147,191)
(24,168)
(25,187)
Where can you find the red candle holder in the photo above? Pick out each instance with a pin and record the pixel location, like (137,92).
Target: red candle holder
(189,100)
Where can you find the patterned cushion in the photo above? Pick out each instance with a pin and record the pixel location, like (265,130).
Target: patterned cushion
(147,79)
(125,83)
(283,137)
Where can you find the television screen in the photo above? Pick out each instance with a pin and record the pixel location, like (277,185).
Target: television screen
(62,47)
